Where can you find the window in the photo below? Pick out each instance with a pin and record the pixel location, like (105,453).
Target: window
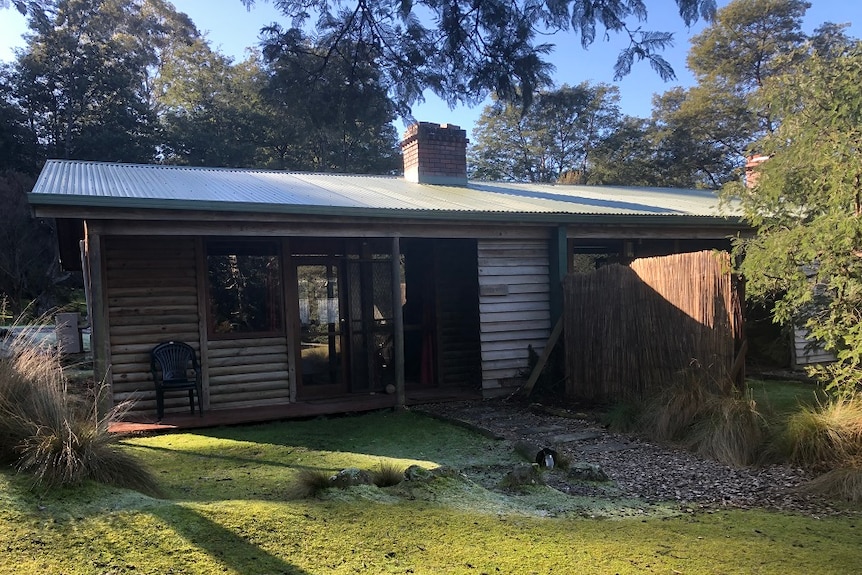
(245,289)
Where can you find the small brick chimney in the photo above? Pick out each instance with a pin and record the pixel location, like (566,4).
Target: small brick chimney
(752,162)
(435,154)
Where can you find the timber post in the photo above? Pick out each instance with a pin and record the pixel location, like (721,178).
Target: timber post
(398,320)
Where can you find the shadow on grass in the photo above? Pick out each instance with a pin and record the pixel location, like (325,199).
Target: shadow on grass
(395,435)
(231,550)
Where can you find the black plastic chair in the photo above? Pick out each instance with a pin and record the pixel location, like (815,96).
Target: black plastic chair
(171,363)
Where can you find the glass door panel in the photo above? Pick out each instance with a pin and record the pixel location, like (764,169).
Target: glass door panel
(322,353)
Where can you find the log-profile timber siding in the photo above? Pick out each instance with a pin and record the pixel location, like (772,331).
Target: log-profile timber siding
(248,372)
(151,297)
(514,307)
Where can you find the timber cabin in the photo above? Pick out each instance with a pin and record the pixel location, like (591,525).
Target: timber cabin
(322,293)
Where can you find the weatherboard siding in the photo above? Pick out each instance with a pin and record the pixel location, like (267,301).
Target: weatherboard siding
(807,352)
(514,308)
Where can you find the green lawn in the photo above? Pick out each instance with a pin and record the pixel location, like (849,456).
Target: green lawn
(227,509)
(782,397)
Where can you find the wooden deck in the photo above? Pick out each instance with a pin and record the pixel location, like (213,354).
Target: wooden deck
(298,410)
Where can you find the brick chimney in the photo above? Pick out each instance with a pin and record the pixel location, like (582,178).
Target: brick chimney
(752,162)
(435,154)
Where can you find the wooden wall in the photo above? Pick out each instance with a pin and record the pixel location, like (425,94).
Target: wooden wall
(807,352)
(152,296)
(514,307)
(151,292)
(247,372)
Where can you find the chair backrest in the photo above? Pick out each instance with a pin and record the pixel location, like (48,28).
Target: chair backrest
(173,359)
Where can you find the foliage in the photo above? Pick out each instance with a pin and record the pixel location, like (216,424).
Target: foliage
(731,430)
(310,483)
(51,434)
(81,80)
(387,474)
(210,108)
(326,106)
(28,261)
(805,205)
(825,436)
(706,415)
(463,51)
(554,138)
(843,482)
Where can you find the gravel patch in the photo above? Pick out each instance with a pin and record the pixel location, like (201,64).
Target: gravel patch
(638,468)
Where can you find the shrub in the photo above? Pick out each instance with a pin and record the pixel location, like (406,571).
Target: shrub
(730,430)
(53,434)
(824,436)
(310,483)
(844,482)
(387,474)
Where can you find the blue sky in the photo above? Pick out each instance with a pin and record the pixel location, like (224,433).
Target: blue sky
(231,28)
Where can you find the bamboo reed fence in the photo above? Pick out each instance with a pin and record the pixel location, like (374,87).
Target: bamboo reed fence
(631,329)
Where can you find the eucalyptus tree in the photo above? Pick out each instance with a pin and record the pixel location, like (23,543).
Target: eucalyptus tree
(556,136)
(326,106)
(210,108)
(84,77)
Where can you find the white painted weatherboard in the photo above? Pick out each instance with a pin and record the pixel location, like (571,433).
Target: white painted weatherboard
(804,353)
(514,308)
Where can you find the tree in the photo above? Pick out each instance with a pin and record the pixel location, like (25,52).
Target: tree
(556,136)
(210,109)
(84,78)
(627,157)
(749,41)
(806,205)
(699,139)
(463,50)
(327,111)
(29,267)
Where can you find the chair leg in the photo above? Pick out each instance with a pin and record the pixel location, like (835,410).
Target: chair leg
(192,400)
(160,404)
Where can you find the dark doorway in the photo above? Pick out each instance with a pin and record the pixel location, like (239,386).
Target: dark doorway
(441,313)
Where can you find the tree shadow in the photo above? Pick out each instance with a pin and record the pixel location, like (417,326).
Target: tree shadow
(230,549)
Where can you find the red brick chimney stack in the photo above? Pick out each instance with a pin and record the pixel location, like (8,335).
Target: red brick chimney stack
(752,162)
(435,154)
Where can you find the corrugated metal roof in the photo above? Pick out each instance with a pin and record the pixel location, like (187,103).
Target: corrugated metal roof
(178,187)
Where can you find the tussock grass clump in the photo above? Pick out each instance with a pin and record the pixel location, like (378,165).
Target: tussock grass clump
(310,483)
(706,415)
(669,414)
(843,482)
(387,474)
(730,430)
(823,436)
(623,417)
(53,434)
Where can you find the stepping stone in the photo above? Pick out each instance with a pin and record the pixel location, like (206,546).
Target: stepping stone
(587,435)
(609,447)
